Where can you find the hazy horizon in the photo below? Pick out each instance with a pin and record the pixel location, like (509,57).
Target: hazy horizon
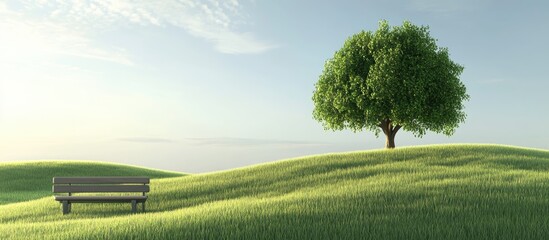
(200,86)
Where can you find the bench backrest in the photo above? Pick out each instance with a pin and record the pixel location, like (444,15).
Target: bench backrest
(100,184)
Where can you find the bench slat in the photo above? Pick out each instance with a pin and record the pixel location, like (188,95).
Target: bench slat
(92,199)
(90,189)
(100,180)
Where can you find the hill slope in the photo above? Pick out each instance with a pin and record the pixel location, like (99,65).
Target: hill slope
(440,192)
(29,180)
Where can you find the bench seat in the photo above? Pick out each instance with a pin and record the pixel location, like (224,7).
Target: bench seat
(93,199)
(102,186)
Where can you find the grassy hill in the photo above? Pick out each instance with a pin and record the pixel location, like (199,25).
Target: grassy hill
(23,181)
(432,192)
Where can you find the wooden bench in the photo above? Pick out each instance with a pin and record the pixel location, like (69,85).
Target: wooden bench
(72,185)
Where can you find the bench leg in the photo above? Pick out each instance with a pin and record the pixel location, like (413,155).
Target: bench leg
(143,206)
(70,207)
(134,206)
(65,207)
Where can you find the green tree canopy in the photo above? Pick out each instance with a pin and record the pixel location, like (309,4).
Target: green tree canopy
(396,77)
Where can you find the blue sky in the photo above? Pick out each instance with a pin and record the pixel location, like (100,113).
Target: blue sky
(200,86)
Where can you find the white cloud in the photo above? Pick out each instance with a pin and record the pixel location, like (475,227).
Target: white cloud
(27,40)
(146,140)
(240,142)
(214,21)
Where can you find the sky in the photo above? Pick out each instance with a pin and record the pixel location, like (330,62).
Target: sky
(206,85)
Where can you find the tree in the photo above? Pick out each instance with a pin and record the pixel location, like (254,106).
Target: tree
(391,79)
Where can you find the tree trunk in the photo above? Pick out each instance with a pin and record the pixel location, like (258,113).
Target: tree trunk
(390,131)
(390,143)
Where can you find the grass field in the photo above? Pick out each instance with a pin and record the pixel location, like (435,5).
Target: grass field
(431,192)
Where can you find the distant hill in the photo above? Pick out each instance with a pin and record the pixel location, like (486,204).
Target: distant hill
(29,180)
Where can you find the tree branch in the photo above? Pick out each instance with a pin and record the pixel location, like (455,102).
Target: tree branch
(386,126)
(395,129)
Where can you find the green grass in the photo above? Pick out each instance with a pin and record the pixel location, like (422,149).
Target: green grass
(23,181)
(432,192)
